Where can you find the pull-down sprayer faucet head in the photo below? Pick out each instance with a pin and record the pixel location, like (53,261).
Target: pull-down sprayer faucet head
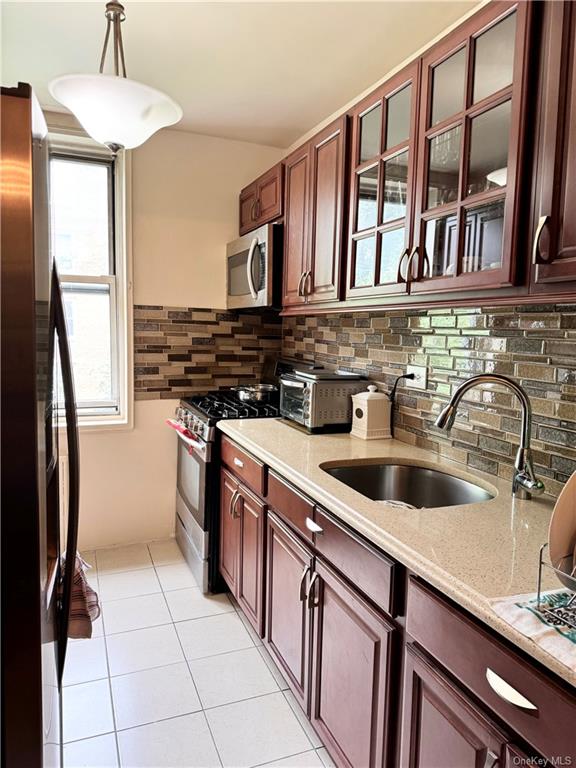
(524,482)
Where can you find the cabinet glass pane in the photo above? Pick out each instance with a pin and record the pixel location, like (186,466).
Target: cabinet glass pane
(391,249)
(444,167)
(483,239)
(364,262)
(448,86)
(442,245)
(395,187)
(398,117)
(370,127)
(367,199)
(488,162)
(494,58)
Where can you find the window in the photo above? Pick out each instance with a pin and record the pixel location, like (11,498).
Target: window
(88,229)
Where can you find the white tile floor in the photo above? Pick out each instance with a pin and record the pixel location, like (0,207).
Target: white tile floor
(173,678)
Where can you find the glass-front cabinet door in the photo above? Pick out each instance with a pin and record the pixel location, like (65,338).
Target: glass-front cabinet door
(383,172)
(469,153)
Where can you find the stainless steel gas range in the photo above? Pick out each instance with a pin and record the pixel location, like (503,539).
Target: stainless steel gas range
(198,481)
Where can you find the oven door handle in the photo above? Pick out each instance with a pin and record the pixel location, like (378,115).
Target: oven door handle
(187,437)
(249,263)
(294,384)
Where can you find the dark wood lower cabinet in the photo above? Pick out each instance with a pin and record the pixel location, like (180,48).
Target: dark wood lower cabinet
(242,517)
(287,615)
(229,529)
(442,728)
(352,655)
(250,585)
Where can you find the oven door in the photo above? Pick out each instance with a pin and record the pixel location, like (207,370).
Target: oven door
(248,270)
(191,506)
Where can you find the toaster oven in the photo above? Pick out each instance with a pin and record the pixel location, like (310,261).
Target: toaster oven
(319,400)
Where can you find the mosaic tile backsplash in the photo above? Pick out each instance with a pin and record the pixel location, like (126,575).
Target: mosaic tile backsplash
(536,345)
(179,351)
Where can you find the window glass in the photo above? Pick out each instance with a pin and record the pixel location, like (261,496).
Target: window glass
(367,199)
(365,261)
(483,241)
(398,117)
(442,245)
(391,249)
(488,161)
(395,187)
(494,58)
(444,167)
(448,80)
(80,200)
(370,127)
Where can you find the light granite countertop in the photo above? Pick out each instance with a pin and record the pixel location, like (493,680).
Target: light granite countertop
(472,553)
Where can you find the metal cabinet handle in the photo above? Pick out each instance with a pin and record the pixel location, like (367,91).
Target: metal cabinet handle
(505,691)
(238,462)
(536,255)
(233,503)
(258,208)
(400,277)
(307,288)
(413,254)
(252,209)
(313,527)
(491,760)
(310,593)
(426,272)
(305,573)
(300,287)
(235,513)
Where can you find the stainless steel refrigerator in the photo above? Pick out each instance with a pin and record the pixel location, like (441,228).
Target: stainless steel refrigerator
(35,531)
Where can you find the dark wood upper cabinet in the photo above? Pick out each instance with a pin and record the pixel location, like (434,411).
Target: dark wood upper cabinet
(296,194)
(382,180)
(289,569)
(554,229)
(472,118)
(262,200)
(314,194)
(351,673)
(442,728)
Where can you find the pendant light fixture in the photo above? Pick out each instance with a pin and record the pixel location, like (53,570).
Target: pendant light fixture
(115,111)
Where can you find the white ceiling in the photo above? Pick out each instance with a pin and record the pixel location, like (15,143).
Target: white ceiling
(263,72)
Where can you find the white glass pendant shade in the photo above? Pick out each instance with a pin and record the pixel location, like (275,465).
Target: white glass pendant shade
(115,111)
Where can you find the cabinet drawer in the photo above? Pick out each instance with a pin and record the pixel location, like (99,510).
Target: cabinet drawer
(488,668)
(290,504)
(244,466)
(369,570)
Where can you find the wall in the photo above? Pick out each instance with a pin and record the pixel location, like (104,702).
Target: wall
(534,344)
(184,211)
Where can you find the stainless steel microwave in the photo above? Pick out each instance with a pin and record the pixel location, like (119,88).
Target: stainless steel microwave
(253,268)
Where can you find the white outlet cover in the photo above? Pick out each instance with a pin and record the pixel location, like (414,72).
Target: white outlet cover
(420,380)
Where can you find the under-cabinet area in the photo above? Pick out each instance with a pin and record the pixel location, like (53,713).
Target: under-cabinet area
(388,668)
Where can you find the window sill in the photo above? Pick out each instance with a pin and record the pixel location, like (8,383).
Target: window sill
(118,424)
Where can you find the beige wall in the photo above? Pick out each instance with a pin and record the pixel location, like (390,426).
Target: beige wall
(184,211)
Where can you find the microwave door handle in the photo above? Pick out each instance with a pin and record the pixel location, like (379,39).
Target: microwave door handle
(295,384)
(249,264)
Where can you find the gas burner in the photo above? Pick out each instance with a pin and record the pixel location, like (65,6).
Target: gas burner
(225,404)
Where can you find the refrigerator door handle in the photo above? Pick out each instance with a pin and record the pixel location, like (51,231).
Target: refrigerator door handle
(73,469)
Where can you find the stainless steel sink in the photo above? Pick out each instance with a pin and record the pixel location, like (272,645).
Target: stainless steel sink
(418,486)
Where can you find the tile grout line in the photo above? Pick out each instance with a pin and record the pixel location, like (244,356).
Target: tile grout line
(191,675)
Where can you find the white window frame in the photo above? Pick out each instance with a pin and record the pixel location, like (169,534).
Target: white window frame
(71,142)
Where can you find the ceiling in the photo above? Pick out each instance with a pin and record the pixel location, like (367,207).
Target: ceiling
(264,72)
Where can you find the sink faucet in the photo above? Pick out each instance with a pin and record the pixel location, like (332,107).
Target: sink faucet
(524,483)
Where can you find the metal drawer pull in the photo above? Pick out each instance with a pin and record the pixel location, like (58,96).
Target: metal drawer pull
(505,691)
(305,573)
(233,501)
(491,760)
(313,527)
(300,287)
(238,463)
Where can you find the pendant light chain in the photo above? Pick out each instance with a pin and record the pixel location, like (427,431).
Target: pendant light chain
(115,16)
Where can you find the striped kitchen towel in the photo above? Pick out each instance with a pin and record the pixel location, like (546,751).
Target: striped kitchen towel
(84,606)
(548,631)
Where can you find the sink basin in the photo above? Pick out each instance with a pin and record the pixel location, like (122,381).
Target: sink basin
(418,486)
